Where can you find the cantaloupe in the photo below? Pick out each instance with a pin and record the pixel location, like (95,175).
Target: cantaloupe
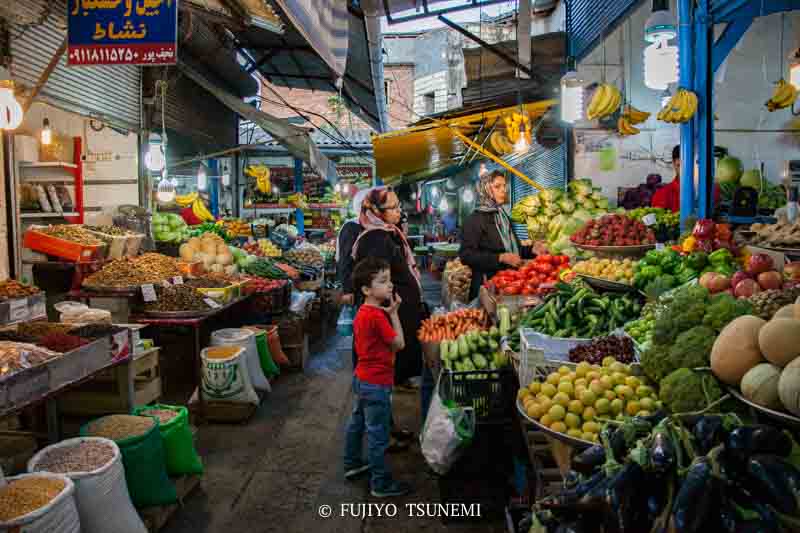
(736,349)
(779,341)
(760,385)
(789,387)
(787,311)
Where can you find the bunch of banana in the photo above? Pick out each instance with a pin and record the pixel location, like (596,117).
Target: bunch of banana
(680,108)
(515,124)
(185,200)
(606,100)
(201,211)
(500,143)
(784,96)
(297,199)
(261,175)
(629,117)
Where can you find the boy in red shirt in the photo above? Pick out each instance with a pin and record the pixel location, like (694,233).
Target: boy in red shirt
(377,335)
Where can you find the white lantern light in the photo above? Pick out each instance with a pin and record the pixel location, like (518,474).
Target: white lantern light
(10,110)
(166,190)
(794,70)
(154,159)
(443,205)
(47,132)
(660,65)
(434,191)
(571,97)
(226,179)
(521,146)
(468,196)
(202,178)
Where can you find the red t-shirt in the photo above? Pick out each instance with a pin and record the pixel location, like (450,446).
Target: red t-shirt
(669,196)
(373,335)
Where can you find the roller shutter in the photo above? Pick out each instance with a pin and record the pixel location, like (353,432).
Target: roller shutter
(589,20)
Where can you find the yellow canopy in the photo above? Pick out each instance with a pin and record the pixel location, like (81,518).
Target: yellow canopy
(432,145)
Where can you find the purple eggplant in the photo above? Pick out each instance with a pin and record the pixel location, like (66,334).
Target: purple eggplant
(746,501)
(774,481)
(693,503)
(626,500)
(745,441)
(662,450)
(708,432)
(589,459)
(572,497)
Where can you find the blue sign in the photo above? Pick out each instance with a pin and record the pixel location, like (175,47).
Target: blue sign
(122,32)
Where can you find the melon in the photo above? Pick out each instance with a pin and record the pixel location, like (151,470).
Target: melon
(789,387)
(760,385)
(779,341)
(751,178)
(736,349)
(787,311)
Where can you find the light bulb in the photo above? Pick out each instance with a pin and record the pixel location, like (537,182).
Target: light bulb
(226,179)
(468,196)
(154,159)
(413,196)
(794,75)
(202,178)
(660,65)
(166,190)
(434,191)
(276,190)
(521,146)
(483,170)
(571,97)
(47,133)
(10,110)
(443,205)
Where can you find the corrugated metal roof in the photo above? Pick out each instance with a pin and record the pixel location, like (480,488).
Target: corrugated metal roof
(361,139)
(589,20)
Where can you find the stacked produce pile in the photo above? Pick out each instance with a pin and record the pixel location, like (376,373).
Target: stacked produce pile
(475,350)
(211,250)
(667,223)
(16,356)
(26,495)
(686,473)
(72,233)
(169,227)
(128,272)
(554,215)
(262,248)
(260,285)
(573,311)
(614,230)
(178,298)
(662,270)
(619,347)
(268,269)
(448,326)
(116,231)
(763,358)
(307,259)
(641,329)
(457,279)
(781,234)
(618,270)
(236,228)
(683,336)
(62,342)
(730,176)
(216,228)
(328,251)
(12,289)
(579,400)
(533,278)
(708,236)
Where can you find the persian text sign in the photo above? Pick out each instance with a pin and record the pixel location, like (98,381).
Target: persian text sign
(122,32)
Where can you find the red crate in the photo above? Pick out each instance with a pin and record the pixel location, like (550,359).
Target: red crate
(71,251)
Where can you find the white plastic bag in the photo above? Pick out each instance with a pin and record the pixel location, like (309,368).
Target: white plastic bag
(300,300)
(227,379)
(60,515)
(447,431)
(101,495)
(247,340)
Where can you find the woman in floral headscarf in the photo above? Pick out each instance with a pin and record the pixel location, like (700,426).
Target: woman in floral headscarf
(489,241)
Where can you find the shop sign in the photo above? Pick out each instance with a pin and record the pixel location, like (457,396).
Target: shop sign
(122,32)
(349,172)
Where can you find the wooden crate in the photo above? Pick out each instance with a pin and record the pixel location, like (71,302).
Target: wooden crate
(222,412)
(118,390)
(297,354)
(550,463)
(155,518)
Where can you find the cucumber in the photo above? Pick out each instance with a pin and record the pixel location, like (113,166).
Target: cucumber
(444,350)
(463,347)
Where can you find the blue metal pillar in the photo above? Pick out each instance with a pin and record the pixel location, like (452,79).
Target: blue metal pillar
(213,186)
(298,187)
(686,51)
(704,88)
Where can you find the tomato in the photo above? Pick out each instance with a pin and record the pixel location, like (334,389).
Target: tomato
(527,291)
(545,258)
(543,268)
(533,284)
(512,289)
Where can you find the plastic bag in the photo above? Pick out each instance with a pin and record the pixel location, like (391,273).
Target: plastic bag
(448,430)
(300,300)
(344,325)
(181,455)
(268,365)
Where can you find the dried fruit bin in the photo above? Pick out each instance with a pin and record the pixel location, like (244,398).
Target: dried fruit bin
(71,251)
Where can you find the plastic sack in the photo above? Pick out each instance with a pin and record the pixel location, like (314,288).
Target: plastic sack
(300,300)
(344,324)
(181,456)
(268,365)
(145,466)
(448,430)
(60,515)
(101,495)
(226,379)
(247,340)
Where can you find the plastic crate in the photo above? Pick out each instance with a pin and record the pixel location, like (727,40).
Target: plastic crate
(71,251)
(117,244)
(491,393)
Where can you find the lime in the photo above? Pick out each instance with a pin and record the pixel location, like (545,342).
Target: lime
(572,420)
(588,413)
(607,382)
(566,387)
(535,387)
(647,404)
(619,378)
(610,395)
(617,406)
(581,382)
(624,391)
(554,378)
(591,427)
(561,399)
(643,391)
(633,382)
(557,412)
(575,406)
(549,390)
(588,397)
(597,387)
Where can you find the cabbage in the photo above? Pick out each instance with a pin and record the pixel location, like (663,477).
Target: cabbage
(729,170)
(159,219)
(572,225)
(581,187)
(552,210)
(533,201)
(518,213)
(560,244)
(582,215)
(542,220)
(551,195)
(169,236)
(534,228)
(566,205)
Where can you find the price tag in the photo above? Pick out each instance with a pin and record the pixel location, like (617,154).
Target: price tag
(660,246)
(177,280)
(18,310)
(149,293)
(212,303)
(649,220)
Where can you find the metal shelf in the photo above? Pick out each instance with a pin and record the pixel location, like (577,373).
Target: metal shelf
(48,164)
(68,181)
(47,215)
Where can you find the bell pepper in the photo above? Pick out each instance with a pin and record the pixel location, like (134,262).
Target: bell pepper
(723,232)
(689,244)
(653,258)
(696,261)
(721,257)
(725,269)
(704,229)
(670,262)
(685,274)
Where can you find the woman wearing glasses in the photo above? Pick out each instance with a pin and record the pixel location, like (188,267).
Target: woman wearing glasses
(381,237)
(489,242)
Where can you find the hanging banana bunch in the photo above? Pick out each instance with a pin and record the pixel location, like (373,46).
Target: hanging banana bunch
(605,102)
(680,108)
(500,144)
(261,175)
(629,118)
(186,200)
(201,211)
(784,96)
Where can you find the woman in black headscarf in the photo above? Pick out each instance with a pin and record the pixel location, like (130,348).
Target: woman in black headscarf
(488,240)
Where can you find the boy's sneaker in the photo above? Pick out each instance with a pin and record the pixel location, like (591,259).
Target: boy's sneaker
(392,489)
(356,472)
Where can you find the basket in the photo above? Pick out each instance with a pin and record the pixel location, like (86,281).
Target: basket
(491,393)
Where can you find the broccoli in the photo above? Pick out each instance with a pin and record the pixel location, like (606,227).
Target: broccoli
(686,310)
(691,349)
(686,390)
(723,309)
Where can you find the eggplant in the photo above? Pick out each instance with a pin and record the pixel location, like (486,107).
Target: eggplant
(662,450)
(657,497)
(589,459)
(626,505)
(729,515)
(708,432)
(693,503)
(616,441)
(774,481)
(745,500)
(745,441)
(570,497)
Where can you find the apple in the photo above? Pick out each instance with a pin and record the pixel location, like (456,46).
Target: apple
(739,276)
(758,263)
(746,288)
(770,280)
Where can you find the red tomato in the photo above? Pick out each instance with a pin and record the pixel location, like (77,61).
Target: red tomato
(527,291)
(545,258)
(532,284)
(512,289)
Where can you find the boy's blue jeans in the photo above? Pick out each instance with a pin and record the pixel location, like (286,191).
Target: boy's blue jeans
(372,412)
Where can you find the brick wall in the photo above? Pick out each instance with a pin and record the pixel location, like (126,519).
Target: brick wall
(399,80)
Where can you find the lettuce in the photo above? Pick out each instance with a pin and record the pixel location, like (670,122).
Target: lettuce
(550,196)
(566,205)
(582,187)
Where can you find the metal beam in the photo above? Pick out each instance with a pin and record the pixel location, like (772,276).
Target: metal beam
(524,30)
(704,117)
(432,13)
(466,140)
(727,11)
(686,43)
(264,59)
(733,32)
(492,48)
(45,75)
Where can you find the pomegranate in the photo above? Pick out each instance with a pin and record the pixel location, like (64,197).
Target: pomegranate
(758,263)
(739,276)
